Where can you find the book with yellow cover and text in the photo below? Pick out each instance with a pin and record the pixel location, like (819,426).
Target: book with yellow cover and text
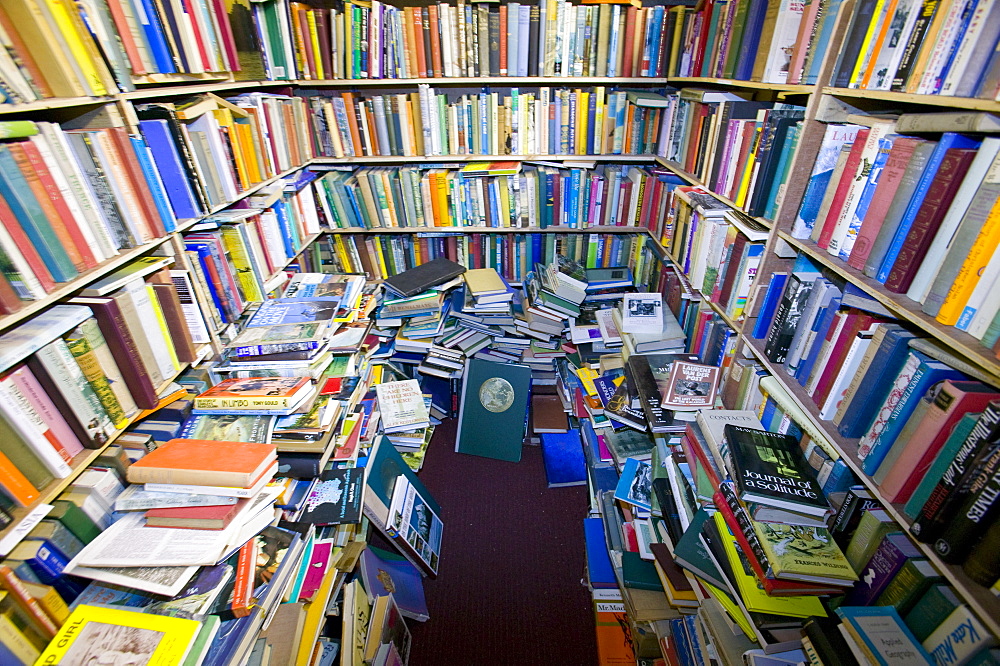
(93,635)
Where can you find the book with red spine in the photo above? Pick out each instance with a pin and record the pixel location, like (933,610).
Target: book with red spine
(851,170)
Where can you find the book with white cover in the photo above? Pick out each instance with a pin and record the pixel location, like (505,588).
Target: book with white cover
(401,405)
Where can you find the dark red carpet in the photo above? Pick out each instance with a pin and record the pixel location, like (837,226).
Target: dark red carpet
(509,590)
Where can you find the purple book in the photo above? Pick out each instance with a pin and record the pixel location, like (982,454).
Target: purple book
(888,559)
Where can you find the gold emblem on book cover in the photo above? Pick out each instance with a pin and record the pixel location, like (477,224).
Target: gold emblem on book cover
(496,394)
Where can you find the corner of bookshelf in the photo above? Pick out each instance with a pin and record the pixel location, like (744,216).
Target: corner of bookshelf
(966,103)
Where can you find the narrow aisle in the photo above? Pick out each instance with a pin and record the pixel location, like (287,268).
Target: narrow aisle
(509,591)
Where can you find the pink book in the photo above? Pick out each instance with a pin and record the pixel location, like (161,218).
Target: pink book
(953,400)
(802,43)
(888,183)
(318,564)
(59,433)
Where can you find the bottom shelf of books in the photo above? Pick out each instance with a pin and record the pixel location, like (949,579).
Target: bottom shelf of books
(228,526)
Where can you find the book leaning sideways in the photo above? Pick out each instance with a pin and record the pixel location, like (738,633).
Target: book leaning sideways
(96,635)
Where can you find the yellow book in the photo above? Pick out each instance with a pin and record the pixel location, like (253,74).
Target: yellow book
(162,324)
(225,119)
(972,268)
(81,49)
(582,116)
(45,48)
(314,44)
(15,641)
(504,201)
(754,597)
(379,257)
(440,198)
(244,134)
(862,60)
(598,129)
(928,46)
(741,193)
(887,21)
(99,635)
(338,242)
(731,609)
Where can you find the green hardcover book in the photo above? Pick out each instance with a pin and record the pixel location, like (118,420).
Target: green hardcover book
(639,573)
(21,455)
(940,464)
(872,528)
(58,535)
(930,610)
(493,408)
(907,586)
(74,518)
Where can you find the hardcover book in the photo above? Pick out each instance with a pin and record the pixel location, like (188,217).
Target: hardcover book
(691,386)
(768,468)
(493,410)
(421,278)
(294,311)
(203,462)
(797,552)
(383,573)
(334,499)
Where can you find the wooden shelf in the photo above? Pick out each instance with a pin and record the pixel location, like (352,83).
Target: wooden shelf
(429,161)
(194,89)
(480,82)
(969,103)
(54,103)
(982,601)
(753,85)
(490,230)
(959,341)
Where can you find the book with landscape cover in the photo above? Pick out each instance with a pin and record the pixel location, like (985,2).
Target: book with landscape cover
(768,468)
(635,483)
(204,462)
(257,395)
(280,311)
(797,552)
(415,526)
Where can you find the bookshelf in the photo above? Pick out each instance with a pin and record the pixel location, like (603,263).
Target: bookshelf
(821,102)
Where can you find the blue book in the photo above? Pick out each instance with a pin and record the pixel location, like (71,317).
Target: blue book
(170,166)
(600,571)
(865,199)
(289,234)
(834,138)
(156,187)
(928,372)
(871,391)
(635,485)
(156,40)
(383,572)
(775,288)
(883,635)
(822,324)
(751,38)
(562,453)
(656,30)
(948,140)
(829,22)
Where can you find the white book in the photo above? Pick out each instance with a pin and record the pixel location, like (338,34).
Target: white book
(894,44)
(843,379)
(786,30)
(983,297)
(26,422)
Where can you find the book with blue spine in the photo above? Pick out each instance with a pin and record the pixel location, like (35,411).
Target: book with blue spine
(170,166)
(889,358)
(635,486)
(155,182)
(864,200)
(901,401)
(835,136)
(948,140)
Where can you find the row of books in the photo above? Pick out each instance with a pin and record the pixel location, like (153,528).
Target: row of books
(522,122)
(740,149)
(208,150)
(548,38)
(917,220)
(511,255)
(98,50)
(718,248)
(531,197)
(753,40)
(849,360)
(944,48)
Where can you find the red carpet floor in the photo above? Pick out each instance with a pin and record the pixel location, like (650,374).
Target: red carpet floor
(509,590)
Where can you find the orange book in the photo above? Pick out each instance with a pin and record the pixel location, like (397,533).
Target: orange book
(432,13)
(418,42)
(639,41)
(16,484)
(352,121)
(303,43)
(246,565)
(631,21)
(503,40)
(69,234)
(124,30)
(10,582)
(879,39)
(203,462)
